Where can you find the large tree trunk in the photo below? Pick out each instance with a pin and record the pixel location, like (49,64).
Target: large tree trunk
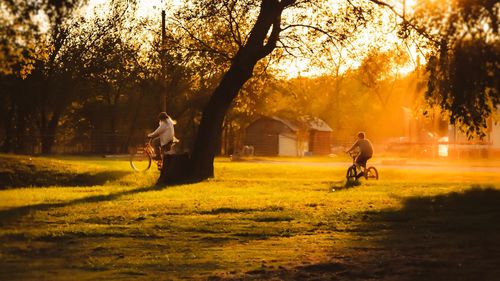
(209,132)
(8,142)
(49,134)
(259,44)
(21,139)
(133,122)
(52,109)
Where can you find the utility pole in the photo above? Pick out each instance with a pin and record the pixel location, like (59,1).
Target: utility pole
(163,60)
(404,9)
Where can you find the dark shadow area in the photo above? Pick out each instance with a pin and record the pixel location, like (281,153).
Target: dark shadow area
(23,171)
(13,179)
(455,236)
(351,183)
(176,170)
(343,185)
(8,215)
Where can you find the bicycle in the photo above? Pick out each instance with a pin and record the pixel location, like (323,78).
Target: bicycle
(141,159)
(354,171)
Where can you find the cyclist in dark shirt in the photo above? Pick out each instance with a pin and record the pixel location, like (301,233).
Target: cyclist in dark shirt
(365,150)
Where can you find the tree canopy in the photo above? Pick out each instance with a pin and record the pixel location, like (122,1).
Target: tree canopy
(93,77)
(464,61)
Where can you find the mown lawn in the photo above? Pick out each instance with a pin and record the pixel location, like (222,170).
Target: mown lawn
(92,219)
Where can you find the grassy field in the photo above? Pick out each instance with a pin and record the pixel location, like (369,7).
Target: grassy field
(92,219)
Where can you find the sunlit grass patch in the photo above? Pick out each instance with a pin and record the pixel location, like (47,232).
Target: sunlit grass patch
(254,219)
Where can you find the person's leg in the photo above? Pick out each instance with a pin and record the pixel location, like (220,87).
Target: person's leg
(361,162)
(157,147)
(366,161)
(166,148)
(365,164)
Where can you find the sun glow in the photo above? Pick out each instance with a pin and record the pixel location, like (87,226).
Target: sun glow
(382,35)
(145,8)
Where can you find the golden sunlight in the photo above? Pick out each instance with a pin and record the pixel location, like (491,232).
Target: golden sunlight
(381,35)
(249,140)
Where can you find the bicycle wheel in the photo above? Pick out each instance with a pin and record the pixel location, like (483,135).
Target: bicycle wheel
(159,164)
(351,174)
(371,173)
(140,161)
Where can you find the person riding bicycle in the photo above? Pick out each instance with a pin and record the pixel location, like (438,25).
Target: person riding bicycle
(164,136)
(365,151)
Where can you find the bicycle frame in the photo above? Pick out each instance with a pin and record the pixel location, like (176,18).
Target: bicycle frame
(354,164)
(149,152)
(366,172)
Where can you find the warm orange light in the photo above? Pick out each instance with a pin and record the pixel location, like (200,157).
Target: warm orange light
(443,147)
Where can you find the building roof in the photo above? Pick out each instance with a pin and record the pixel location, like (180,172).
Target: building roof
(317,124)
(311,123)
(288,123)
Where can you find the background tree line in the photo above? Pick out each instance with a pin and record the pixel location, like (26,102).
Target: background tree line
(94,79)
(90,79)
(75,79)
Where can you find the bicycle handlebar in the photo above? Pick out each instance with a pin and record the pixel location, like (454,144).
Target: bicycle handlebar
(353,153)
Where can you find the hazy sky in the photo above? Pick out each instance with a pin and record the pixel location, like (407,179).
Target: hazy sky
(302,66)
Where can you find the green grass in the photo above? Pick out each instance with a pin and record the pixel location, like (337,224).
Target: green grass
(21,171)
(255,220)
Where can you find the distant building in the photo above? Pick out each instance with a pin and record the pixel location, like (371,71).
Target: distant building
(434,136)
(320,137)
(274,136)
(461,146)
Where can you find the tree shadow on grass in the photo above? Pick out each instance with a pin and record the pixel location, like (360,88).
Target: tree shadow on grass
(13,179)
(454,236)
(343,185)
(9,215)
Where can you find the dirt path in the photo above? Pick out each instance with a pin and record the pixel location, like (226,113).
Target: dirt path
(405,165)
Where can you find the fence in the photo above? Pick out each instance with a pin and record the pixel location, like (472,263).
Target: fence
(95,144)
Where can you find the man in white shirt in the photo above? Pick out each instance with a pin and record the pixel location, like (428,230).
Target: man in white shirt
(163,137)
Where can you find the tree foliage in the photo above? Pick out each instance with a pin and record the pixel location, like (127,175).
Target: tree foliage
(464,65)
(99,80)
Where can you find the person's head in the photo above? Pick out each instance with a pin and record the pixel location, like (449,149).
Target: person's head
(163,116)
(361,135)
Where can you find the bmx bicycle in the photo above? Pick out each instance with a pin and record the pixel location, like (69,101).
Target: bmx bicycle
(141,158)
(354,171)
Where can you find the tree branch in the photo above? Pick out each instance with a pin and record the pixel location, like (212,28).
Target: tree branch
(203,43)
(273,38)
(328,34)
(419,30)
(234,29)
